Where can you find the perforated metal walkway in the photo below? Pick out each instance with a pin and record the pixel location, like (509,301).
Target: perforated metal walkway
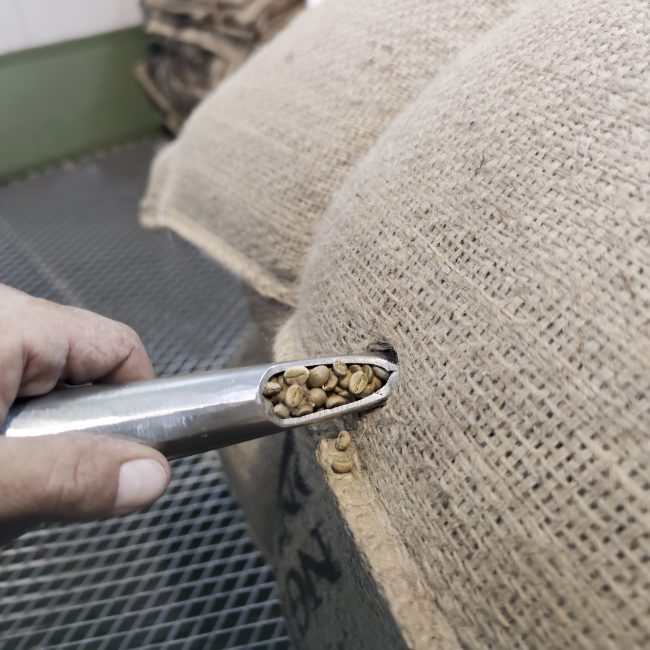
(183,574)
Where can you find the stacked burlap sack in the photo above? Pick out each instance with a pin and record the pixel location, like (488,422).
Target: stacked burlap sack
(466,186)
(197,43)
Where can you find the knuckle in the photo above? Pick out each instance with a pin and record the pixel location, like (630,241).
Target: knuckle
(126,331)
(129,338)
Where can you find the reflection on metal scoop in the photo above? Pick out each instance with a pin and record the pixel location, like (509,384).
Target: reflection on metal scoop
(182,415)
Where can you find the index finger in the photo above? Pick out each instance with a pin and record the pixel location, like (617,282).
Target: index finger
(74,345)
(102,349)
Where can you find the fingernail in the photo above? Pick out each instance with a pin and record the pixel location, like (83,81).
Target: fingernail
(141,482)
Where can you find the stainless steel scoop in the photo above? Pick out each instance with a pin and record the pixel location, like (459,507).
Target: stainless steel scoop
(181,415)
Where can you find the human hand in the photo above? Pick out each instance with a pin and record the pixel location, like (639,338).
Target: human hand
(72,476)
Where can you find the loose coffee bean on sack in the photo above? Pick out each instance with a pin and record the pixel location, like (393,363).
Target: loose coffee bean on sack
(342,466)
(497,238)
(343,440)
(310,390)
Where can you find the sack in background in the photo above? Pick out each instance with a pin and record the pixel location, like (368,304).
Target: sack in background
(497,238)
(195,44)
(258,162)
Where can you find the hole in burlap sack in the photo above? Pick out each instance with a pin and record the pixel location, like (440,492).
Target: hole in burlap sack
(384,348)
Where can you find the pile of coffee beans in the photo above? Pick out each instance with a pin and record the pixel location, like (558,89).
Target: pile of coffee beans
(300,390)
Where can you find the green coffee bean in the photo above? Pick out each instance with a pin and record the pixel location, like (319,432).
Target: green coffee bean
(304,409)
(369,372)
(281,410)
(342,392)
(317,396)
(342,466)
(335,400)
(272,388)
(294,396)
(296,375)
(367,391)
(358,382)
(340,369)
(318,376)
(331,383)
(342,441)
(372,387)
(380,372)
(355,368)
(344,382)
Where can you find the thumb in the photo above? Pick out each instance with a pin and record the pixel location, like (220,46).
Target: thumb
(77,476)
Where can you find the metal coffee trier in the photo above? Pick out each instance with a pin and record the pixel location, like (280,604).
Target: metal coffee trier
(181,415)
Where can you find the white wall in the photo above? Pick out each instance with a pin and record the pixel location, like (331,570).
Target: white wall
(30,23)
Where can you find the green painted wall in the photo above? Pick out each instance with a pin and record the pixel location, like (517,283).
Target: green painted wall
(67,99)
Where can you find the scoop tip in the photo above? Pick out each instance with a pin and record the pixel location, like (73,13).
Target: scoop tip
(364,404)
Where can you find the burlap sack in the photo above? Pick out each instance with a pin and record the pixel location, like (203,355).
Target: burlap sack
(196,9)
(259,160)
(194,44)
(497,238)
(233,51)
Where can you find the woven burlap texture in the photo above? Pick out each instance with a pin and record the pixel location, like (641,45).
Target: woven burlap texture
(498,238)
(258,162)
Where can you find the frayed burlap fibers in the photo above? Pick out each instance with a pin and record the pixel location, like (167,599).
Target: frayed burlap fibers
(195,44)
(498,238)
(258,162)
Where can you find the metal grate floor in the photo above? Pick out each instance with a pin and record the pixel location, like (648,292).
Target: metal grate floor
(184,573)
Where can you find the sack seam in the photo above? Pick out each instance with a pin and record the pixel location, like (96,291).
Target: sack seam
(233,260)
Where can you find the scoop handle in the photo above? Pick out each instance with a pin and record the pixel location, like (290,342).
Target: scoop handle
(179,415)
